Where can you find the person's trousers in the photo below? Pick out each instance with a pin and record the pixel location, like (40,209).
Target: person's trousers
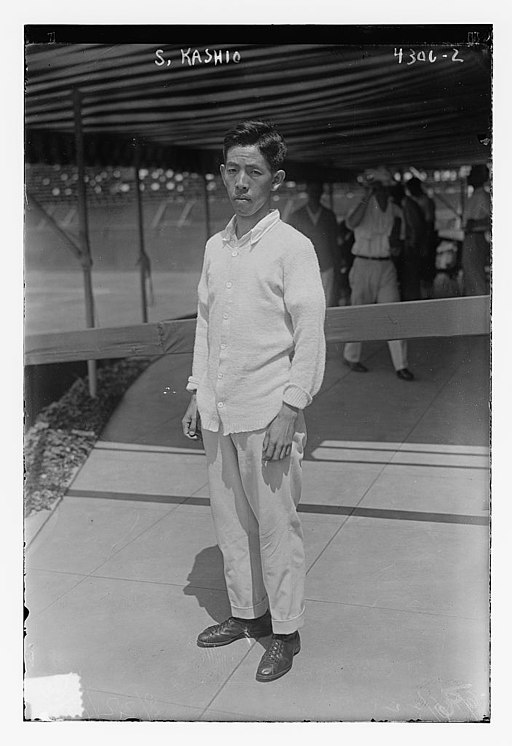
(374,281)
(475,256)
(254,509)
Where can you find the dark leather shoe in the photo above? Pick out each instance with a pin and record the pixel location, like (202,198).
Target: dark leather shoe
(405,374)
(234,629)
(278,659)
(356,367)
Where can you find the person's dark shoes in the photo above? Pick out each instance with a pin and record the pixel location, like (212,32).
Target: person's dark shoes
(405,374)
(356,367)
(235,629)
(278,659)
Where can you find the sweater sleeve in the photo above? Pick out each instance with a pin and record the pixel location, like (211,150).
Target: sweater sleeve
(200,358)
(305,302)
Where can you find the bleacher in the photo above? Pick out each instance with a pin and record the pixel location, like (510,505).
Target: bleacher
(174,213)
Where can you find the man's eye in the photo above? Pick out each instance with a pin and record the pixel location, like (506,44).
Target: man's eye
(231,171)
(256,173)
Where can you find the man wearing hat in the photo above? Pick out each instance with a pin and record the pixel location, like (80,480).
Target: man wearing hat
(373,277)
(475,249)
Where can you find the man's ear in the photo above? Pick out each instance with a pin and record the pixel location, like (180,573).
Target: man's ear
(223,172)
(278,179)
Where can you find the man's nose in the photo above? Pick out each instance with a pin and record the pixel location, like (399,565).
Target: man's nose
(241,182)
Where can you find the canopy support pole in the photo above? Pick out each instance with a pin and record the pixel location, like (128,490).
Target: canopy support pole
(48,218)
(207,208)
(143,261)
(462,199)
(331,196)
(83,232)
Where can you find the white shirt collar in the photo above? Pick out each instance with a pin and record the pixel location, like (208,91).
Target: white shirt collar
(259,230)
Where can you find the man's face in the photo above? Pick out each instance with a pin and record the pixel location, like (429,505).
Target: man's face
(380,188)
(249,181)
(314,192)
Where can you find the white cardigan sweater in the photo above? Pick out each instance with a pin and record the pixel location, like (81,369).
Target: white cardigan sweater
(260,326)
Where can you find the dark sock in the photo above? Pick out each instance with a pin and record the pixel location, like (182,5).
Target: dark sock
(285,637)
(256,619)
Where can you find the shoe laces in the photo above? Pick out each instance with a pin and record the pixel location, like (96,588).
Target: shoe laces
(274,652)
(222,627)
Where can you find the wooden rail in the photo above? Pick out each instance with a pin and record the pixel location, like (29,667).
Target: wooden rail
(447,317)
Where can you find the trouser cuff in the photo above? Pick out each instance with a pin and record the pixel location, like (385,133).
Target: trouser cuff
(287,626)
(250,612)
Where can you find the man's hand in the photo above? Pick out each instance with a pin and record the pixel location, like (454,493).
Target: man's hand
(191,422)
(278,439)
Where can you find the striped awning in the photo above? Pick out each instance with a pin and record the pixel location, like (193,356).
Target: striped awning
(340,107)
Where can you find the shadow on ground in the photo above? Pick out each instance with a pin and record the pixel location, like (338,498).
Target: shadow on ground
(208,563)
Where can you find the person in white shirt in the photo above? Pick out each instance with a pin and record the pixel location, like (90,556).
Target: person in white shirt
(477,223)
(259,357)
(373,277)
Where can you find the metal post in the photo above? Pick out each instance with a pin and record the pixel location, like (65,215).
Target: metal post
(207,208)
(143,259)
(83,232)
(463,189)
(331,196)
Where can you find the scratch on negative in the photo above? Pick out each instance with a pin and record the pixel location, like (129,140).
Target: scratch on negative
(122,539)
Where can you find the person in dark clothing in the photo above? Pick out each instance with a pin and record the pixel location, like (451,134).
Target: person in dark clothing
(319,224)
(430,241)
(411,244)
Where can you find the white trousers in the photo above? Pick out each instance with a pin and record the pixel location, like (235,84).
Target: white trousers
(254,509)
(375,282)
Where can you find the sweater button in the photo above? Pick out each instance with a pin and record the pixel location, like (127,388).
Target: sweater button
(223,346)
(225,316)
(229,284)
(234,253)
(221,404)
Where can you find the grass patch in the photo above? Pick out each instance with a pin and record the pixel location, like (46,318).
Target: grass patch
(65,432)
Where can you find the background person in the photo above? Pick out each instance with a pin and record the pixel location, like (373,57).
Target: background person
(346,259)
(373,277)
(430,239)
(319,224)
(412,244)
(477,223)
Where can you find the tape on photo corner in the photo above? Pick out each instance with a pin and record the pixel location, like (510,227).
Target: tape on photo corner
(53,697)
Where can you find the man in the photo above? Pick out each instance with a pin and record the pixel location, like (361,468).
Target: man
(477,223)
(429,238)
(259,358)
(373,277)
(321,227)
(409,260)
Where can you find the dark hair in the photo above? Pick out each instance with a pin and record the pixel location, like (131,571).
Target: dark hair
(478,175)
(262,134)
(414,187)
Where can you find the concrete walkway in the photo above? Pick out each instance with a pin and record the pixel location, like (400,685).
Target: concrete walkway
(395,512)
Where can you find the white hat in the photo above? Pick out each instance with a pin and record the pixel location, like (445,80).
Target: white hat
(379,174)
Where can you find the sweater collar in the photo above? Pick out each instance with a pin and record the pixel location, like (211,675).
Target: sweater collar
(254,235)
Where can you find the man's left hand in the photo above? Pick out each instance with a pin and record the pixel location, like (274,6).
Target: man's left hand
(277,443)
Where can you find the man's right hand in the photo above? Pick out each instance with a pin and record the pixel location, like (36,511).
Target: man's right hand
(191,422)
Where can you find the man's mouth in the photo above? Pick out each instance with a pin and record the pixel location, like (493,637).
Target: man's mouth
(242,199)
